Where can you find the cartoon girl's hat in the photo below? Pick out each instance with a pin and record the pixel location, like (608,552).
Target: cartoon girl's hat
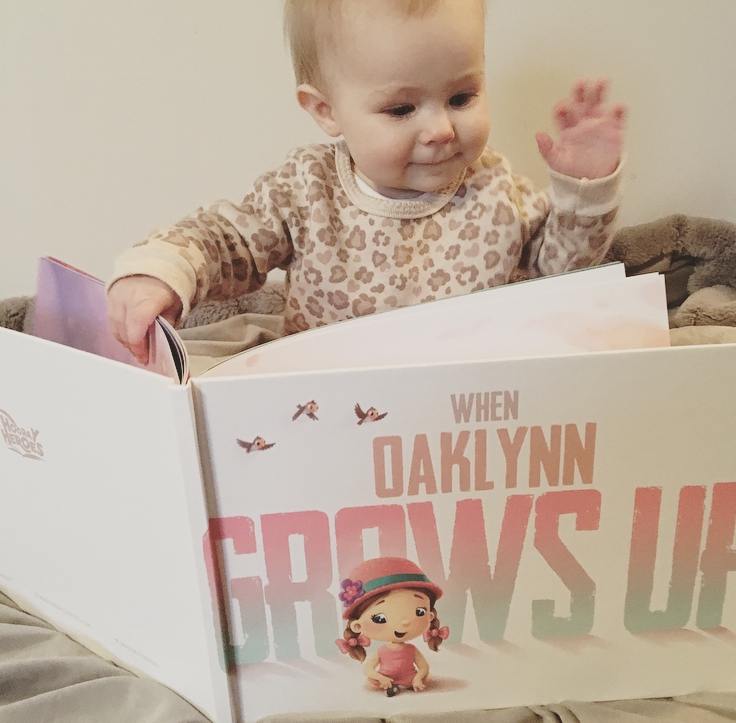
(380,575)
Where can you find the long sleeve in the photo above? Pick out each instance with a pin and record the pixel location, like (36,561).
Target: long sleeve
(222,251)
(576,227)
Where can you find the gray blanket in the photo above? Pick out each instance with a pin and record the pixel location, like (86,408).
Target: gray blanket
(47,677)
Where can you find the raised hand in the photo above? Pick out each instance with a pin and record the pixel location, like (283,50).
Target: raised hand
(590,133)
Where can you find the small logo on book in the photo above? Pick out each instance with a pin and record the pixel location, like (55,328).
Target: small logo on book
(24,441)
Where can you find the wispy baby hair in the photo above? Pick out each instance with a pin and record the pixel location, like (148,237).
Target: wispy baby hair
(312,26)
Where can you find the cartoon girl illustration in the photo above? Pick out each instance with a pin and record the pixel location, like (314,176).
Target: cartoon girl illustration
(391,600)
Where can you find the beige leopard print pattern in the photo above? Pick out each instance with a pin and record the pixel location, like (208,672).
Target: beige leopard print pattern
(348,254)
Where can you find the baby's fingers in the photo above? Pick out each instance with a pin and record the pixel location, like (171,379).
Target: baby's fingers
(590,93)
(565,115)
(546,146)
(618,113)
(130,328)
(134,302)
(136,334)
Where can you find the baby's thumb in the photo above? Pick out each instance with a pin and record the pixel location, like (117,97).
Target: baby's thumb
(545,145)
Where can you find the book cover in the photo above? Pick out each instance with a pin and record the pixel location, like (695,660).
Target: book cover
(576,513)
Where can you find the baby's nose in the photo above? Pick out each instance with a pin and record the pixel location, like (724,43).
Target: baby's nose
(439,129)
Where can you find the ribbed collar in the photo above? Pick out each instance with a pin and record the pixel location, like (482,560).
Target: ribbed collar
(389,207)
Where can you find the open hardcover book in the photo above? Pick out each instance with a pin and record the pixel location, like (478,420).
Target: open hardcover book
(532,466)
(590,310)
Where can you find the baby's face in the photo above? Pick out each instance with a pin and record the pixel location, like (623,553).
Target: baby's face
(408,94)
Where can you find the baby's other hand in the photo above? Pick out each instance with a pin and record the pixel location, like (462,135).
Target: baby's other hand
(133,303)
(590,133)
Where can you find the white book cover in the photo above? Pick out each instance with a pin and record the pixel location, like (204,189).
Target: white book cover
(577,513)
(101,491)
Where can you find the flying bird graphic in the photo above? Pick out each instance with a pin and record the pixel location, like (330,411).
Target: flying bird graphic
(310,409)
(371,415)
(257,445)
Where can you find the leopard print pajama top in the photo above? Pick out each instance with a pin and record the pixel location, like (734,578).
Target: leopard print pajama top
(347,253)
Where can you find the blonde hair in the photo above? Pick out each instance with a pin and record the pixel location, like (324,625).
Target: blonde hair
(311,27)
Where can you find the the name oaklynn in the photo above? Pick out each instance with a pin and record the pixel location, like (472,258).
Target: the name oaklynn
(460,460)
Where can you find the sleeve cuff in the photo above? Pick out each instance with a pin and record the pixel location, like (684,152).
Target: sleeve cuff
(584,196)
(169,270)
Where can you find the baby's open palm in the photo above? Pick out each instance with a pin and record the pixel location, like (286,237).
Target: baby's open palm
(590,133)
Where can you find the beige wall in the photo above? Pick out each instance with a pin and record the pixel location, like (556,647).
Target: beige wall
(121,115)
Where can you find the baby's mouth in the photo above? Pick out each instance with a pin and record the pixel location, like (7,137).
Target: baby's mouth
(399,635)
(439,162)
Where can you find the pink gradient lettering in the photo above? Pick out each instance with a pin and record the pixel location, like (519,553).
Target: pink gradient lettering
(586,506)
(246,591)
(350,523)
(470,568)
(283,590)
(638,615)
(719,557)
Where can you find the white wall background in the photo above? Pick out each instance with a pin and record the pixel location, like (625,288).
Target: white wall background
(120,115)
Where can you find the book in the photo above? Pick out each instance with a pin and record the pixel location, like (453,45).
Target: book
(536,452)
(589,310)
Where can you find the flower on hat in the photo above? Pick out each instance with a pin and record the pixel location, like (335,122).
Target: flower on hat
(351,591)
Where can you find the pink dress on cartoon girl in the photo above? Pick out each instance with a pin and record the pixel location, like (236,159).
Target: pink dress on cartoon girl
(397,663)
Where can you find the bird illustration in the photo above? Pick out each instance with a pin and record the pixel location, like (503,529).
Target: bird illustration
(310,409)
(257,445)
(371,415)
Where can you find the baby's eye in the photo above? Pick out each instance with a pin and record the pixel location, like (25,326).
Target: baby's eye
(378,618)
(461,99)
(399,111)
(421,612)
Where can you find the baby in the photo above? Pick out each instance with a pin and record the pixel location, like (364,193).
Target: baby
(408,204)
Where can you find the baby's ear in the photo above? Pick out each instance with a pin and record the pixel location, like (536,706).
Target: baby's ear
(355,626)
(318,106)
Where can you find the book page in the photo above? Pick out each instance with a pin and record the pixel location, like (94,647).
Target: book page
(597,309)
(70,308)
